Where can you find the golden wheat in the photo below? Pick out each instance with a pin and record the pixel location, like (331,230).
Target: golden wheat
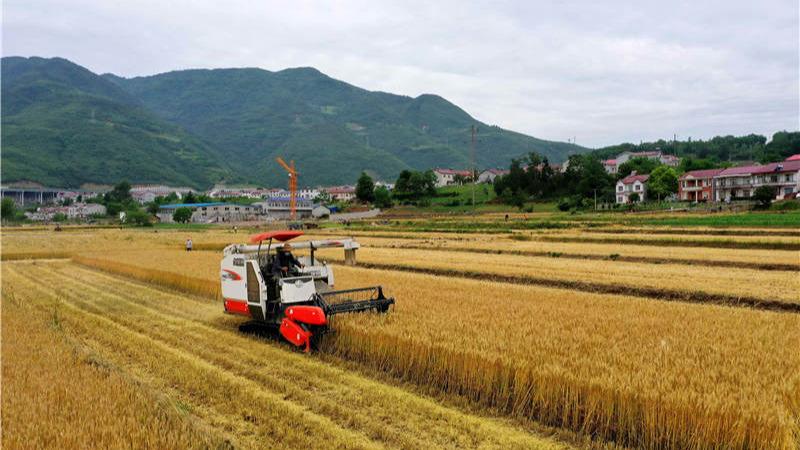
(643,373)
(783,286)
(58,394)
(504,244)
(262,395)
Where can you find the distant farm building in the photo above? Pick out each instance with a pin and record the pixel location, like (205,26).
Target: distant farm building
(211,212)
(279,208)
(489,175)
(446,177)
(341,193)
(632,184)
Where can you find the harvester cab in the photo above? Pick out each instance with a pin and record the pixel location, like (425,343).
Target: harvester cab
(298,301)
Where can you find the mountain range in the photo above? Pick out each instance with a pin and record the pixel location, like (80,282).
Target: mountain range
(63,125)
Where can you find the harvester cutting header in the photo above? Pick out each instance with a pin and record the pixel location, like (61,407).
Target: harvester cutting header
(295,295)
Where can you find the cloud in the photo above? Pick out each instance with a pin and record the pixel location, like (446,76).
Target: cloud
(604,72)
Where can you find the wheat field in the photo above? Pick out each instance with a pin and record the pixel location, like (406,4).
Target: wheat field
(605,368)
(259,394)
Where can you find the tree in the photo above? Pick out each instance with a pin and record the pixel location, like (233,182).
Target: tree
(663,181)
(138,218)
(415,185)
(8,209)
(120,194)
(154,206)
(59,217)
(365,188)
(642,166)
(383,199)
(689,164)
(764,196)
(633,198)
(182,214)
(189,197)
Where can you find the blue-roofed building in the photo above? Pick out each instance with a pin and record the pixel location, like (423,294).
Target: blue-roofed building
(213,212)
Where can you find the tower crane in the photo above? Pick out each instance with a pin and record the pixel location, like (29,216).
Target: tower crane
(292,185)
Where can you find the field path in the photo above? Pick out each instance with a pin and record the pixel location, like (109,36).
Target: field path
(259,393)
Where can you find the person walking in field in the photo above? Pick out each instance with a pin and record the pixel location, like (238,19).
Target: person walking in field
(189,244)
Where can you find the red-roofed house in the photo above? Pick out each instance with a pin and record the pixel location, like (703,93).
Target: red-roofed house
(697,185)
(783,176)
(794,157)
(632,184)
(610,165)
(445,177)
(734,182)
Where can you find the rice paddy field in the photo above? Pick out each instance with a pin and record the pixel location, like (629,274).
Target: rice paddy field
(621,337)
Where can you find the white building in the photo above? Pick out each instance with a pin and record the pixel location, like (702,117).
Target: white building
(211,212)
(308,193)
(489,175)
(341,193)
(145,193)
(632,184)
(280,208)
(75,211)
(446,177)
(670,160)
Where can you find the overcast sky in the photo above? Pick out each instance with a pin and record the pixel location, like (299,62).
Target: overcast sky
(602,72)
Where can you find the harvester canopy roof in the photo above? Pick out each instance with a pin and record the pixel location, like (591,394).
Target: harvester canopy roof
(282,236)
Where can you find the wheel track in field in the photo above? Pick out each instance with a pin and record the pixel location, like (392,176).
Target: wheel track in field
(211,356)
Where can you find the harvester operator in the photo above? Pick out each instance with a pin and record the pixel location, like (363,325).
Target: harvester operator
(285,262)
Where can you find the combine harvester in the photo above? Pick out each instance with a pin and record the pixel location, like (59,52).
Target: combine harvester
(298,303)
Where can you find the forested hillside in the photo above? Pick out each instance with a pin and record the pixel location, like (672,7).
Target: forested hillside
(720,149)
(62,125)
(333,130)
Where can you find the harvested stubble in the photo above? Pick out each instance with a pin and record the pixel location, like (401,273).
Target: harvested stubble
(643,373)
(668,280)
(58,394)
(261,395)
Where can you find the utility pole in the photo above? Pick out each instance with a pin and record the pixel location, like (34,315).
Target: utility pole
(472,154)
(595,199)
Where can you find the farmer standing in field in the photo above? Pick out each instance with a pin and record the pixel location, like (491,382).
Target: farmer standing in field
(189,244)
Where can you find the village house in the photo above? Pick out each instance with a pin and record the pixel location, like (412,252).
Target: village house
(75,211)
(632,184)
(734,183)
(446,177)
(783,177)
(146,193)
(697,185)
(610,165)
(489,175)
(341,193)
